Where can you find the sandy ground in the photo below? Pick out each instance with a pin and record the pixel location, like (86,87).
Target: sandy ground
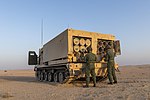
(133,84)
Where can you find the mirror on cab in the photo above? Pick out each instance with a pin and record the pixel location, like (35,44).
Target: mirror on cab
(32,58)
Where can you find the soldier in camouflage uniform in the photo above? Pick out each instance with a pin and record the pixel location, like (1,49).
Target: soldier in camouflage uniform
(90,59)
(110,64)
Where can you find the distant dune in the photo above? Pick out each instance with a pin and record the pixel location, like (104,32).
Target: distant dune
(133,84)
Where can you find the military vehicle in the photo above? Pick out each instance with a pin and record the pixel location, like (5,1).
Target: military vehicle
(60,59)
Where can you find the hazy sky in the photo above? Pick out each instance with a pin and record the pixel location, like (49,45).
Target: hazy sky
(20,26)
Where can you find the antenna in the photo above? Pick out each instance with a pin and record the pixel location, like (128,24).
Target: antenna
(68,26)
(42,32)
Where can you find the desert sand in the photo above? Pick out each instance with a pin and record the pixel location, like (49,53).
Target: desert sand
(133,84)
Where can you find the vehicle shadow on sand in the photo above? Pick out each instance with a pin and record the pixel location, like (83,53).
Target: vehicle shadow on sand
(27,79)
(30,79)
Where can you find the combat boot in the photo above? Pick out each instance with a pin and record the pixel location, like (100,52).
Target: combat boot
(85,86)
(110,83)
(115,82)
(94,85)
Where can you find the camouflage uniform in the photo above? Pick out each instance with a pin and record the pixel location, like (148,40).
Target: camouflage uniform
(110,65)
(90,59)
(82,57)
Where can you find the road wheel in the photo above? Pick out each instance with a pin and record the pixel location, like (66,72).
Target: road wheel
(49,77)
(45,76)
(66,77)
(66,74)
(55,77)
(61,77)
(38,75)
(41,76)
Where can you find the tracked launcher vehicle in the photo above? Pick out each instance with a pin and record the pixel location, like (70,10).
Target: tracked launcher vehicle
(60,59)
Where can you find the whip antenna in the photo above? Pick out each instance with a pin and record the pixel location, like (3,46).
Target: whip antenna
(42,32)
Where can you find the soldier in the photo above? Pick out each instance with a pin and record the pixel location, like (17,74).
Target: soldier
(110,55)
(90,59)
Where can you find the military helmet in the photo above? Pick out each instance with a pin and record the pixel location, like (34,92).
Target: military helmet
(110,43)
(89,49)
(108,47)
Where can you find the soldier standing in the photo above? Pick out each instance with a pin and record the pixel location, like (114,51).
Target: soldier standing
(90,59)
(110,55)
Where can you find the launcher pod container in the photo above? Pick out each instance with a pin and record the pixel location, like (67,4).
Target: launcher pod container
(62,58)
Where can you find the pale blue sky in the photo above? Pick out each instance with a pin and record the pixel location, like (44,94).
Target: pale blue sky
(20,26)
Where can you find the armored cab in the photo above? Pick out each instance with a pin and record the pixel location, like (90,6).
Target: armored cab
(61,59)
